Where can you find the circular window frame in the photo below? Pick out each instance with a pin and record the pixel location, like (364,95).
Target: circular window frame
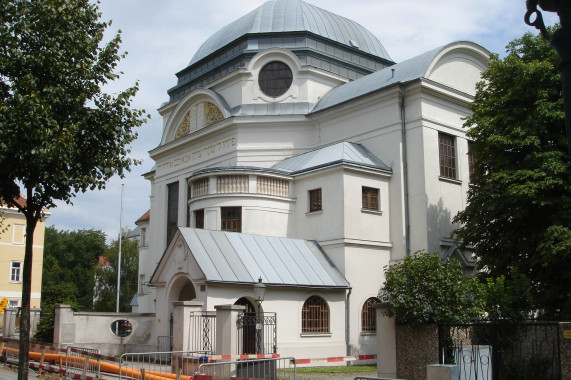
(267,85)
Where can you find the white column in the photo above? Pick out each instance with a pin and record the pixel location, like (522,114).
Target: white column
(386,343)
(226,331)
(181,323)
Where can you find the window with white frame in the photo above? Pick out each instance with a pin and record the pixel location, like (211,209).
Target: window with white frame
(447,155)
(16,271)
(13,303)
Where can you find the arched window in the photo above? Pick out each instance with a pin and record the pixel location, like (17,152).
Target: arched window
(368,315)
(315,316)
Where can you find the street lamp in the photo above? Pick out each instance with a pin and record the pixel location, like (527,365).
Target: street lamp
(259,293)
(561,42)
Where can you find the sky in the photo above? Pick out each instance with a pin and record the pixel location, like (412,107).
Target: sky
(161,37)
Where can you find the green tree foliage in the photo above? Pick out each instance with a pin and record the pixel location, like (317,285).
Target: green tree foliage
(508,299)
(424,289)
(59,133)
(67,276)
(106,277)
(519,203)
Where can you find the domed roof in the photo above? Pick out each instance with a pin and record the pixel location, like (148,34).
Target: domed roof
(292,16)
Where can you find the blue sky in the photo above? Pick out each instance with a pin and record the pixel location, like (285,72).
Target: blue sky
(162,36)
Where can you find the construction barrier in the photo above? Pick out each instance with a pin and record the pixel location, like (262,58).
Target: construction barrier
(168,365)
(82,362)
(335,359)
(277,368)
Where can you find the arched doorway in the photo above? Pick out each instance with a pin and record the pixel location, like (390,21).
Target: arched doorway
(182,289)
(248,335)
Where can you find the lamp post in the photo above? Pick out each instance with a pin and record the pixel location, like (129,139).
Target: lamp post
(259,293)
(561,42)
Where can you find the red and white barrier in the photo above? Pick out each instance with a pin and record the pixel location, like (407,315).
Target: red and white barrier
(335,359)
(242,357)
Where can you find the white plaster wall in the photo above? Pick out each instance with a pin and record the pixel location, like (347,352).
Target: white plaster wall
(288,304)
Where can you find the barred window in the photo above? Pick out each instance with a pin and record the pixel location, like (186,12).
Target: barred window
(369,315)
(470,160)
(231,219)
(447,150)
(275,79)
(172,210)
(199,218)
(370,198)
(315,200)
(315,316)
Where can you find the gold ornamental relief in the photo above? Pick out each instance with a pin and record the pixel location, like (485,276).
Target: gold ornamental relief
(211,114)
(184,126)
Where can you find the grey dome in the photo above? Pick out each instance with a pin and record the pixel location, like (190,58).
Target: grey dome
(291,16)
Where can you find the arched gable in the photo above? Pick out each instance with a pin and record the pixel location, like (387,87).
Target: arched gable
(459,65)
(195,111)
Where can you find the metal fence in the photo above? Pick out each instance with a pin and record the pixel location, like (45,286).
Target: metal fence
(82,361)
(202,331)
(502,350)
(278,368)
(164,343)
(161,365)
(257,333)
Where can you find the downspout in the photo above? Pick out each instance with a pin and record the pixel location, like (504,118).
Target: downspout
(347,314)
(405,169)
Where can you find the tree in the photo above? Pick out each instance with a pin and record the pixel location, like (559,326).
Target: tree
(424,289)
(518,216)
(69,258)
(106,277)
(59,132)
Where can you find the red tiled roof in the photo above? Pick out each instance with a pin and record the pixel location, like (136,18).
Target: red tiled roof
(145,218)
(20,200)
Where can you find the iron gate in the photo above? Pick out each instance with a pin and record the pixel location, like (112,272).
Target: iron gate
(202,331)
(502,350)
(257,333)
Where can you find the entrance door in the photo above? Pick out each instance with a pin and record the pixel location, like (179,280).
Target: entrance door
(248,329)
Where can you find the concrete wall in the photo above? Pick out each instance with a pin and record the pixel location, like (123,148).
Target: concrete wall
(93,330)
(11,322)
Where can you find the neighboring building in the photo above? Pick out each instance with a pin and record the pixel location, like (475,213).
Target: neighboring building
(145,297)
(294,149)
(12,250)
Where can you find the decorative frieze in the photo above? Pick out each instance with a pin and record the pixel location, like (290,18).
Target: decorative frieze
(184,126)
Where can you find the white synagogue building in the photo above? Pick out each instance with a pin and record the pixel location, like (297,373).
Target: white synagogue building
(296,151)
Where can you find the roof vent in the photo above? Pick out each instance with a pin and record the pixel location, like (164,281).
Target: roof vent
(354,43)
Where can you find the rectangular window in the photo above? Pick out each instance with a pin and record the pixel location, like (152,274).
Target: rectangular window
(315,200)
(143,237)
(199,218)
(141,284)
(231,219)
(199,187)
(447,151)
(13,303)
(232,184)
(470,160)
(370,198)
(16,271)
(172,210)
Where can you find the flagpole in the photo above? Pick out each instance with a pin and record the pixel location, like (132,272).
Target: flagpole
(120,240)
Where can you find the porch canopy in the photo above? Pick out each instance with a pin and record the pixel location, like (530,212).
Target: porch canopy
(230,257)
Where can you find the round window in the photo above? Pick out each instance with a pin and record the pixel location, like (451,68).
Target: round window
(275,79)
(121,327)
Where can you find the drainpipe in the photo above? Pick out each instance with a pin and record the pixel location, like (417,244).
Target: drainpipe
(405,169)
(347,314)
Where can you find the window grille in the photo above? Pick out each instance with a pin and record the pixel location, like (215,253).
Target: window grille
(370,198)
(315,316)
(369,315)
(231,219)
(447,152)
(275,79)
(273,186)
(232,184)
(315,200)
(200,187)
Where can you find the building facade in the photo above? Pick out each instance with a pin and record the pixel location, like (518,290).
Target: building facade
(12,251)
(296,151)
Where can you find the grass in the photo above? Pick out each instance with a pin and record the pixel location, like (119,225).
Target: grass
(354,368)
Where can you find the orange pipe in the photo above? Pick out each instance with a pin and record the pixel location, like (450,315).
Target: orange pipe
(104,366)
